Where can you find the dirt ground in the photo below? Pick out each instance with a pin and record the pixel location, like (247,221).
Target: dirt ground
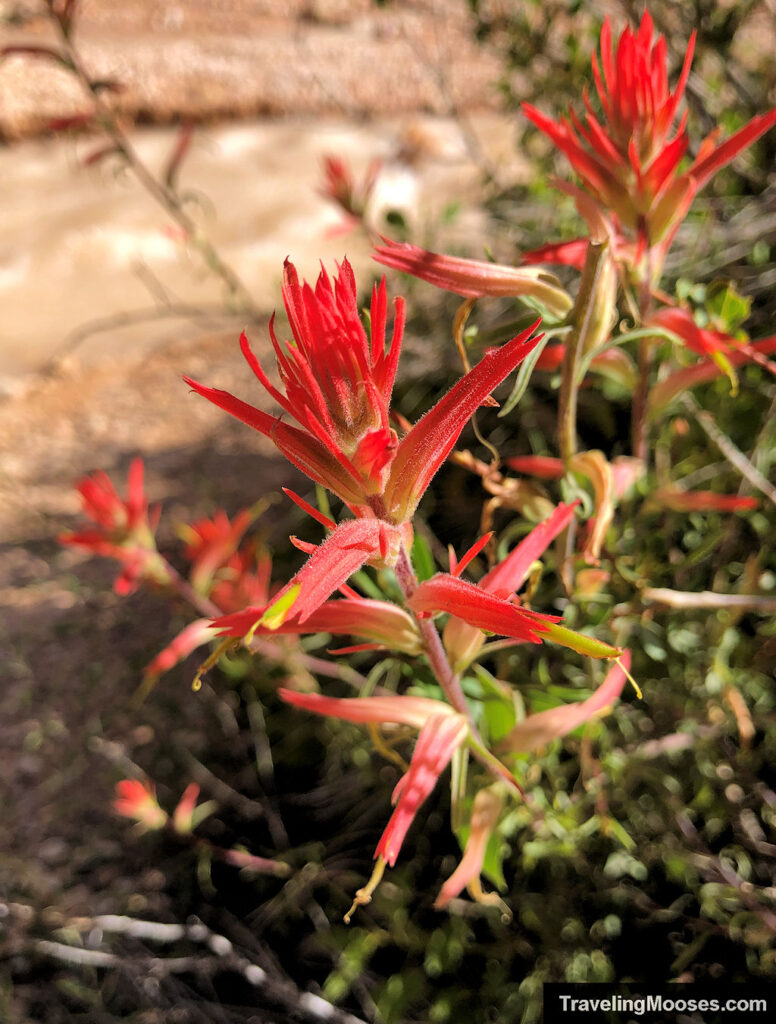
(71,650)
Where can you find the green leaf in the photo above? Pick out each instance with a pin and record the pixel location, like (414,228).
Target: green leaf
(498,706)
(364,582)
(726,307)
(523,376)
(422,558)
(493,861)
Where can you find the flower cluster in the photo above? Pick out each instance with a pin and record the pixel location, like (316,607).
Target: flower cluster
(334,420)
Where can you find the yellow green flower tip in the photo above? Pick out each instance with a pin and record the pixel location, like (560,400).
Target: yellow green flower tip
(579,642)
(364,896)
(186,533)
(727,368)
(631,680)
(209,662)
(276,614)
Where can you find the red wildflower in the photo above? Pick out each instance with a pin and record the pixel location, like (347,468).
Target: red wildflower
(124,529)
(628,161)
(210,543)
(340,185)
(490,605)
(691,376)
(338,386)
(137,800)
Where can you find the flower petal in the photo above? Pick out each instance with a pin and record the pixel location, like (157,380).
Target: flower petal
(446,593)
(413,711)
(539,729)
(439,739)
(510,574)
(423,450)
(474,278)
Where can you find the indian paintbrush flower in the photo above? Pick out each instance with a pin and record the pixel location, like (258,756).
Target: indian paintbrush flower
(137,800)
(123,528)
(337,385)
(629,160)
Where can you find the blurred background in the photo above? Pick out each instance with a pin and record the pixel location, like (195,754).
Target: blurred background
(107,300)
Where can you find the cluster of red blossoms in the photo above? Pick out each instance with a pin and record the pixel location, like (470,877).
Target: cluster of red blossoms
(337,383)
(337,426)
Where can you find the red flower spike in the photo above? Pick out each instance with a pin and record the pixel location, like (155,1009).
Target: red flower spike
(336,383)
(540,729)
(628,161)
(475,278)
(124,528)
(340,186)
(137,800)
(210,543)
(423,450)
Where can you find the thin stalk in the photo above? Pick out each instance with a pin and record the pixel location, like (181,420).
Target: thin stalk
(639,421)
(448,679)
(639,442)
(165,196)
(435,652)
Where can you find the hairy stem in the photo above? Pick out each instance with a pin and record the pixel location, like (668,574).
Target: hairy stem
(435,652)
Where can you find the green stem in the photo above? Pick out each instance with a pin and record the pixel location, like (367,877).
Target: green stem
(583,314)
(639,437)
